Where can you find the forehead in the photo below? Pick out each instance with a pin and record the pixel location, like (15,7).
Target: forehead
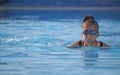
(89,26)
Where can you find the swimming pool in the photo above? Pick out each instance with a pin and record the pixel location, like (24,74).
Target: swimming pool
(33,46)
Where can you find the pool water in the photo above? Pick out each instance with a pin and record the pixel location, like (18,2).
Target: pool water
(39,47)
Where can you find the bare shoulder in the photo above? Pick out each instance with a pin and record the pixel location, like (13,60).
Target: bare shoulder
(105,45)
(74,44)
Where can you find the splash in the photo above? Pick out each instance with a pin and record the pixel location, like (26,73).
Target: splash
(13,39)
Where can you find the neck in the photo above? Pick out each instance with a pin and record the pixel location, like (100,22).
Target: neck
(89,43)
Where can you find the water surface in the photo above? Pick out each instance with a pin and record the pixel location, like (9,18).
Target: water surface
(39,47)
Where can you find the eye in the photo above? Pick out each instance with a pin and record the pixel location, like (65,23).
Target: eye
(93,32)
(85,32)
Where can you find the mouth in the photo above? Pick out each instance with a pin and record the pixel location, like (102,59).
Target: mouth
(89,38)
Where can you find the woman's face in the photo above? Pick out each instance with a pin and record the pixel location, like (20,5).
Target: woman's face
(90,32)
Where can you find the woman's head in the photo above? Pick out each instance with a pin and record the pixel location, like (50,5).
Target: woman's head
(89,21)
(90,29)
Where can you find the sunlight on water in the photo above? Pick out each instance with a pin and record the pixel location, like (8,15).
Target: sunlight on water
(40,48)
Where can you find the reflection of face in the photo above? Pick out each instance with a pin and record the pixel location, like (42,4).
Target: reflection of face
(89,26)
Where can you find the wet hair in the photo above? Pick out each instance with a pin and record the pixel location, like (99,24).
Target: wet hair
(90,19)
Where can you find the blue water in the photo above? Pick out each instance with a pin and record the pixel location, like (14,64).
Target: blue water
(65,3)
(31,46)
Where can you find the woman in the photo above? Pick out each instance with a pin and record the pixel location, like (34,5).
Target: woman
(90,32)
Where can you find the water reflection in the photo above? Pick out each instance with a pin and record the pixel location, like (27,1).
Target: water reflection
(90,55)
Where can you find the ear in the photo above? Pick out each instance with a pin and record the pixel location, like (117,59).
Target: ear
(81,35)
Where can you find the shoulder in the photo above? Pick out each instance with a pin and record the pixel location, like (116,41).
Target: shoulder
(102,44)
(74,44)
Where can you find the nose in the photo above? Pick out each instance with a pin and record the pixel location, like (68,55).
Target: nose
(89,35)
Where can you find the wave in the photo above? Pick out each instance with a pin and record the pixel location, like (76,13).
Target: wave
(13,39)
